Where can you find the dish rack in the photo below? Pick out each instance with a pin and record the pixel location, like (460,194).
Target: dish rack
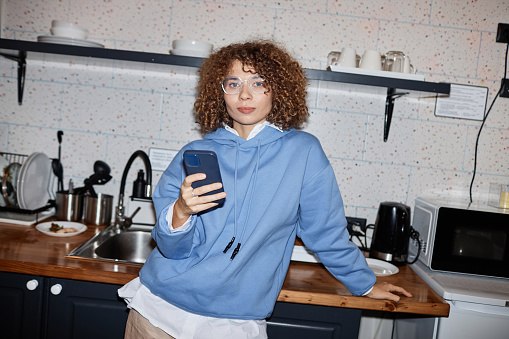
(19,215)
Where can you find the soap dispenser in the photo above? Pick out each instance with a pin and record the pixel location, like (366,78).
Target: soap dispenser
(139,185)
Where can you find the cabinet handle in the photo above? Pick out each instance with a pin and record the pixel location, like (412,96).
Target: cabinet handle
(56,289)
(32,284)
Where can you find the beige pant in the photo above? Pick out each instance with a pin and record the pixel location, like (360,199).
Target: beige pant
(138,327)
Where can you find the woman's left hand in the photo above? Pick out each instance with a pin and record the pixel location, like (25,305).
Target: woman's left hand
(382,290)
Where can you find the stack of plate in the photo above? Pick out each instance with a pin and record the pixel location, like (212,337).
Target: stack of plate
(66,33)
(27,186)
(33,189)
(53,39)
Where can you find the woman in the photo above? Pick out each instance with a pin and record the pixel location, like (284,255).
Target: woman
(218,269)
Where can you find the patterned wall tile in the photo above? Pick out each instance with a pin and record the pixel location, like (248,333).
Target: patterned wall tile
(399,10)
(342,135)
(41,103)
(155,78)
(88,72)
(365,183)
(177,120)
(314,36)
(305,5)
(33,15)
(351,98)
(456,53)
(492,152)
(128,20)
(477,15)
(220,24)
(106,110)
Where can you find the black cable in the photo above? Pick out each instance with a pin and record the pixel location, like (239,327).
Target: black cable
(415,236)
(483,121)
(477,142)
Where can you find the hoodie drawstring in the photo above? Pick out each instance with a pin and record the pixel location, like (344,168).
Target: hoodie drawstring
(236,250)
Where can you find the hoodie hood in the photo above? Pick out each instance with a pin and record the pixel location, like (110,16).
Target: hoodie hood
(266,136)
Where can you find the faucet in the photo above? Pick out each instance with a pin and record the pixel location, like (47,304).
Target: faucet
(122,222)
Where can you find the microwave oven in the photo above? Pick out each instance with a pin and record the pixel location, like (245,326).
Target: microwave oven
(456,236)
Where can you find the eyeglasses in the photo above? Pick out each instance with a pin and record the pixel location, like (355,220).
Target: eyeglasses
(233,85)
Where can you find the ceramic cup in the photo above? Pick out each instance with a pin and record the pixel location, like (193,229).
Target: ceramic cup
(348,57)
(394,61)
(371,60)
(407,66)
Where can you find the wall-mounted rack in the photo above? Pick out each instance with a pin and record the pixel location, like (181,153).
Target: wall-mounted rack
(20,51)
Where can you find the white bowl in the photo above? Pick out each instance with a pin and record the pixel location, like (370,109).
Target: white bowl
(69,33)
(67,29)
(192,45)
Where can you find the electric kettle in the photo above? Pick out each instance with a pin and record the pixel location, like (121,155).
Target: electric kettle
(392,233)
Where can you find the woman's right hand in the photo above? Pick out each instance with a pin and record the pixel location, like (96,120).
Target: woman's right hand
(192,201)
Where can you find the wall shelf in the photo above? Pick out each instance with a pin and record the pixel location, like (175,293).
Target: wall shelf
(20,51)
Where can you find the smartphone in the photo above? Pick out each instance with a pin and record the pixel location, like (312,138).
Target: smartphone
(197,161)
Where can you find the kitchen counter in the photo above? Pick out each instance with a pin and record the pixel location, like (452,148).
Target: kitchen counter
(23,249)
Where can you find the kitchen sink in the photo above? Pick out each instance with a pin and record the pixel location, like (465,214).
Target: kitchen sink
(131,246)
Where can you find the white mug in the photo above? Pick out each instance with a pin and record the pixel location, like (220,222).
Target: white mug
(371,60)
(407,66)
(348,57)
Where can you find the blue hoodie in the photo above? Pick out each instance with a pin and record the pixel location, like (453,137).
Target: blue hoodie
(279,185)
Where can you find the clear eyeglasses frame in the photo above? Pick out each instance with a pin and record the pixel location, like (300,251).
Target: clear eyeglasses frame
(233,85)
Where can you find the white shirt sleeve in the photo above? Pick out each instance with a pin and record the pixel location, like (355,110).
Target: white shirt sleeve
(368,291)
(169,219)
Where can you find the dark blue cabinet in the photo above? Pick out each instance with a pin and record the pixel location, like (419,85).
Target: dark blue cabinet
(59,308)
(51,308)
(21,306)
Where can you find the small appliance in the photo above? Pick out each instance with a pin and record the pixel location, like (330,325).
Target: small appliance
(458,236)
(392,233)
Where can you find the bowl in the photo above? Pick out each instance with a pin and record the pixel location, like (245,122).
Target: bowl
(192,45)
(67,29)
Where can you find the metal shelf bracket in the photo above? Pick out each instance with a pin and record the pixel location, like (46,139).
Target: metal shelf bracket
(21,59)
(389,107)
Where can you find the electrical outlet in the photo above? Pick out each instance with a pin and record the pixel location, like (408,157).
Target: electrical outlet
(504,90)
(503,33)
(356,226)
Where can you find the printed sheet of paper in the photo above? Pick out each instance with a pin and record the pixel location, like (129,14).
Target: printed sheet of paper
(464,102)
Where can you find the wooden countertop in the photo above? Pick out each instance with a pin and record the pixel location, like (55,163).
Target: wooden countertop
(23,249)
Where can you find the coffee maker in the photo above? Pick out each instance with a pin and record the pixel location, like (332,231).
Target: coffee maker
(392,233)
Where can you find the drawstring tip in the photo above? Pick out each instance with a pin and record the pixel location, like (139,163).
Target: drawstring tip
(235,251)
(229,245)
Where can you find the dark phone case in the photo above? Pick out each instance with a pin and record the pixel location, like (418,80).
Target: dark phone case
(197,161)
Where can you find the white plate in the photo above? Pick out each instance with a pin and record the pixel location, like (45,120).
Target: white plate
(189,52)
(34,181)
(45,226)
(381,268)
(53,39)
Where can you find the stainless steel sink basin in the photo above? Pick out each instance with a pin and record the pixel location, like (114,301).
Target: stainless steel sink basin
(131,246)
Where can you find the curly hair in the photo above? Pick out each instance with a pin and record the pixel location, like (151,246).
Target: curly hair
(283,75)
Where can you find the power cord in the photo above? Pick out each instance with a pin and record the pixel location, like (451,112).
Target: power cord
(482,125)
(414,235)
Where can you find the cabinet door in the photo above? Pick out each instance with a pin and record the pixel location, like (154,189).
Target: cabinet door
(21,299)
(84,310)
(300,321)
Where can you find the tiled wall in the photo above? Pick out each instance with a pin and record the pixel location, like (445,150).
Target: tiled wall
(107,111)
